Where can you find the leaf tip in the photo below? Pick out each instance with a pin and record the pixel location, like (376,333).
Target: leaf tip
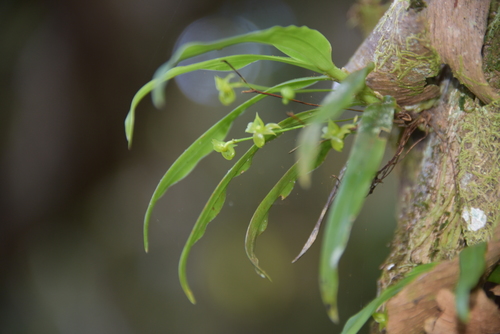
(146,231)
(332,312)
(146,243)
(129,127)
(302,252)
(262,273)
(190,296)
(305,181)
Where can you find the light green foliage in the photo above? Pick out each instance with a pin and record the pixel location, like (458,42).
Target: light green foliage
(308,49)
(203,146)
(218,64)
(332,106)
(210,211)
(216,200)
(306,46)
(258,223)
(364,160)
(472,266)
(259,130)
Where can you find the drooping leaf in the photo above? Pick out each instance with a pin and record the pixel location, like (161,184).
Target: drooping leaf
(472,266)
(362,165)
(216,200)
(237,61)
(332,106)
(210,211)
(203,146)
(308,46)
(354,324)
(259,220)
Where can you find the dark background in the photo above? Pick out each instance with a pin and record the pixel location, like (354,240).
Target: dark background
(72,196)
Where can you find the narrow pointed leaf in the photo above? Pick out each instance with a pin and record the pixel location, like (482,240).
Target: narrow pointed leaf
(203,146)
(237,61)
(364,160)
(332,106)
(259,221)
(354,324)
(216,200)
(472,266)
(301,43)
(210,211)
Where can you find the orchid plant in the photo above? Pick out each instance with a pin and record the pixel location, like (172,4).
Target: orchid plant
(319,132)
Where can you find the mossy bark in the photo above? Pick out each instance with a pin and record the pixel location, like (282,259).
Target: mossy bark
(450,182)
(453,175)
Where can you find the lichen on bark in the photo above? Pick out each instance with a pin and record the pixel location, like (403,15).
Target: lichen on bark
(479,168)
(455,170)
(450,182)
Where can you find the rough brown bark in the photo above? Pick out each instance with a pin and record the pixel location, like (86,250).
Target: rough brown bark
(450,183)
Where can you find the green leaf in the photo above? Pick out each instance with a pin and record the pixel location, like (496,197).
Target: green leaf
(332,106)
(305,45)
(354,324)
(216,200)
(495,275)
(259,221)
(203,146)
(237,61)
(210,211)
(472,266)
(362,165)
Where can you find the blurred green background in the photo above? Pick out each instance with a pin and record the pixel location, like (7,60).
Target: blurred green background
(72,196)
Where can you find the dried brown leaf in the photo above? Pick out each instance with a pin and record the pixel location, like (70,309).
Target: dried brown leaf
(409,310)
(484,315)
(496,290)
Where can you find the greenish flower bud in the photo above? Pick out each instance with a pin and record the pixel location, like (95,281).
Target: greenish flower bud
(225,148)
(258,129)
(288,94)
(226,91)
(336,134)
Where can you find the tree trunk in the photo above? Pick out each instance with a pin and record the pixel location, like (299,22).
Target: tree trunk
(440,60)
